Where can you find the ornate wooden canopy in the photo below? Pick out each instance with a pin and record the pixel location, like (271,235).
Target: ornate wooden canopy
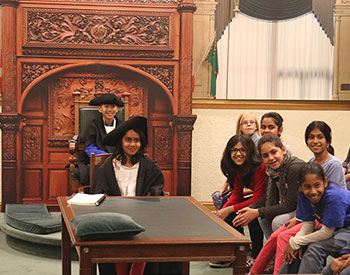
(53,48)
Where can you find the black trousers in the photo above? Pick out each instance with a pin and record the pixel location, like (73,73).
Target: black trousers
(165,268)
(256,234)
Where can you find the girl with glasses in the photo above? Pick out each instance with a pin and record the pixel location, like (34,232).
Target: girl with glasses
(242,167)
(247,124)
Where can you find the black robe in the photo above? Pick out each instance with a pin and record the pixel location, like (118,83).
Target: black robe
(149,181)
(94,135)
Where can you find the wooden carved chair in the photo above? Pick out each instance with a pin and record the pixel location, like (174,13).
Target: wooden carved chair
(95,162)
(83,115)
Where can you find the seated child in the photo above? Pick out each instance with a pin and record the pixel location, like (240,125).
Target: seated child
(247,124)
(278,204)
(243,167)
(330,205)
(272,123)
(128,172)
(108,105)
(318,139)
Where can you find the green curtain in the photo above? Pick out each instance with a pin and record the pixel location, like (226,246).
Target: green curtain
(212,60)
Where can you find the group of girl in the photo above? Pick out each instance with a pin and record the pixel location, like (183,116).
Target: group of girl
(318,215)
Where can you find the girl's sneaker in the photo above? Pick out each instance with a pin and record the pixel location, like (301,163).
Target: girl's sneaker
(250,262)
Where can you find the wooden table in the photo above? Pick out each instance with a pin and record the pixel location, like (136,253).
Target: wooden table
(178,229)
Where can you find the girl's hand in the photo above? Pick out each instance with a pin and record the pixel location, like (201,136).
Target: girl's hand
(292,222)
(345,257)
(245,216)
(290,255)
(337,265)
(224,212)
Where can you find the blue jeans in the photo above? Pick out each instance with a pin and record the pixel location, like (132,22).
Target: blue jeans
(313,259)
(327,271)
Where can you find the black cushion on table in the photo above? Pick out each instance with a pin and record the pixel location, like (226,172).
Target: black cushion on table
(105,226)
(33,218)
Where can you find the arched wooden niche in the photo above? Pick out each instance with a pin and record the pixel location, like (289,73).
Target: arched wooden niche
(49,112)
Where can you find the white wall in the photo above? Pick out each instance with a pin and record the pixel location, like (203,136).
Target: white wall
(214,127)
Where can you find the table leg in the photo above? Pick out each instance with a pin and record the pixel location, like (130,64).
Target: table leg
(86,267)
(185,268)
(239,265)
(65,250)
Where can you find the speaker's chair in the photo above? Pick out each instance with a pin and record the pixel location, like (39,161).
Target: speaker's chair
(84,115)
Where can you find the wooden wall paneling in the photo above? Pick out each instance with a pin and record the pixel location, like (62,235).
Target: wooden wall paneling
(161,138)
(58,183)
(169,185)
(159,103)
(183,127)
(184,120)
(9,119)
(9,125)
(32,185)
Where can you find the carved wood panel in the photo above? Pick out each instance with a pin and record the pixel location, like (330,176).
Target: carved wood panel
(8,146)
(32,144)
(9,83)
(162,145)
(116,30)
(61,107)
(163,73)
(31,71)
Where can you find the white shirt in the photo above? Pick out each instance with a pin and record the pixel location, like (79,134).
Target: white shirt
(126,177)
(110,128)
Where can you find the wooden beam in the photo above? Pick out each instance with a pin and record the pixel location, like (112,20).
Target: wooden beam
(332,105)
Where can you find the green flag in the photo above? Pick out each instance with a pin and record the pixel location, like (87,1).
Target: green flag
(212,60)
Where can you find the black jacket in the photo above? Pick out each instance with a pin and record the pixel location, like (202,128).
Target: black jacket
(94,135)
(150,179)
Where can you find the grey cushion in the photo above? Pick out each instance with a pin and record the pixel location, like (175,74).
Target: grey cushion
(33,218)
(105,226)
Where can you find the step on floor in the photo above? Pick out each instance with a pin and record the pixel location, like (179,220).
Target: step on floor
(45,245)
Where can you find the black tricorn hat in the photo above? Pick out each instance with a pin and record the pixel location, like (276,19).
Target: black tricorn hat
(137,122)
(107,99)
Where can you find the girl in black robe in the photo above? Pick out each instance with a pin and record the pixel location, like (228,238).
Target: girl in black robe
(149,180)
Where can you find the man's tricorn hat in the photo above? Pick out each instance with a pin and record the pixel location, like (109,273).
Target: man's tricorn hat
(107,99)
